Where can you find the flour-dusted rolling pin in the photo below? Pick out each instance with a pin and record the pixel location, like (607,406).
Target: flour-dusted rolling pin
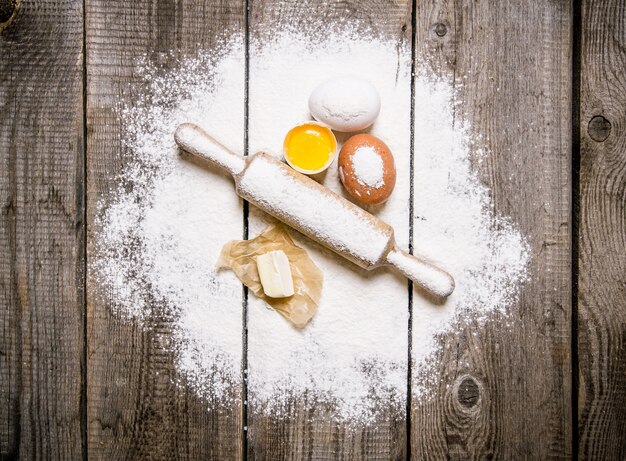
(314,210)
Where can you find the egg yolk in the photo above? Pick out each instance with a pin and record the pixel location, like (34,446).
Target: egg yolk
(309,146)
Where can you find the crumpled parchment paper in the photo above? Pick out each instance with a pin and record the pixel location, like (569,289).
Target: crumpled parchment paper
(240,257)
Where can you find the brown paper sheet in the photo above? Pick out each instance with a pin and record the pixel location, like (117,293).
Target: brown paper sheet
(240,257)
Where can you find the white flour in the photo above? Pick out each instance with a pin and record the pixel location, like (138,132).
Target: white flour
(368,167)
(160,232)
(454,224)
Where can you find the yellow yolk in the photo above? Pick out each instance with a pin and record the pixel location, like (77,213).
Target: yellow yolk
(309,146)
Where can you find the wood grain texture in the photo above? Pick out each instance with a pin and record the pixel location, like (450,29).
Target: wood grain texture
(602,232)
(41,232)
(135,409)
(504,388)
(302,433)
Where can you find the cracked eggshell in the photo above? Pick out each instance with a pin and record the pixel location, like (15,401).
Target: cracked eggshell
(345,104)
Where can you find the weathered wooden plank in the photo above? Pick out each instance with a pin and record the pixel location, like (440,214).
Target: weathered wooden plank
(41,232)
(301,432)
(134,408)
(504,387)
(602,232)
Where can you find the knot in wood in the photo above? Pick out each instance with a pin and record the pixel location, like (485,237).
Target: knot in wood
(441,29)
(468,393)
(599,128)
(8,11)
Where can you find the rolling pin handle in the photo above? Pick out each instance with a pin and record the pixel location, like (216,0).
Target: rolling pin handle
(194,140)
(426,275)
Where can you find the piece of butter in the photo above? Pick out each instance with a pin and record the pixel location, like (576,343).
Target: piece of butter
(275,274)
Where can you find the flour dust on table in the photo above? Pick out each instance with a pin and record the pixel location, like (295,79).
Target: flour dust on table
(454,222)
(160,232)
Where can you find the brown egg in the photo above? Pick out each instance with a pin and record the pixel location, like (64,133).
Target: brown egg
(367,169)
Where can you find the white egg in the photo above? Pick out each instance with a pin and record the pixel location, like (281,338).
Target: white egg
(345,103)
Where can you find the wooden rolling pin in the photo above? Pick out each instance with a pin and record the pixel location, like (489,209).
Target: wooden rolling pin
(314,210)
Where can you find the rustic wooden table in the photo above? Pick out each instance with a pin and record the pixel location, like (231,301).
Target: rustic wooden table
(76,382)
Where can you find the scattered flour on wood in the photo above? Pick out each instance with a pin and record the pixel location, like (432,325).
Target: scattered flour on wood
(160,230)
(353,354)
(455,225)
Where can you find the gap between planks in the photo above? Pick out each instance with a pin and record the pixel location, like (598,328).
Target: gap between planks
(575,216)
(246,211)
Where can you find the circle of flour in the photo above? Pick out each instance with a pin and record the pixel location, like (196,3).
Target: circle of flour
(160,231)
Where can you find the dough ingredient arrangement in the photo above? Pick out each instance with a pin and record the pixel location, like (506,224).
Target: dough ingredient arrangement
(160,233)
